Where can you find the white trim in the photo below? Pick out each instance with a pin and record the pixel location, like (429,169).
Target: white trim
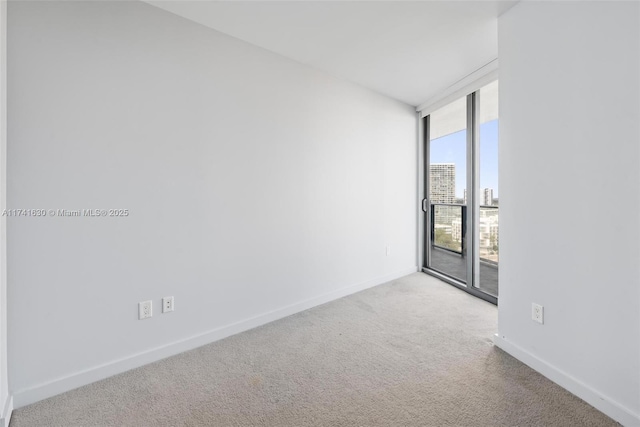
(463,87)
(420,195)
(5,399)
(77,379)
(6,412)
(610,407)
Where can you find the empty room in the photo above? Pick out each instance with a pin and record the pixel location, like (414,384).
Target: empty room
(319,213)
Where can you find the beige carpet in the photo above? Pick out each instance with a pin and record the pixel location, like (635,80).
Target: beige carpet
(412,352)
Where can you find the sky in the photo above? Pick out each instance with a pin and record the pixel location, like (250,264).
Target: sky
(452,149)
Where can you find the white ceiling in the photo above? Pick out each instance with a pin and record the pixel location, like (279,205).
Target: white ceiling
(407,50)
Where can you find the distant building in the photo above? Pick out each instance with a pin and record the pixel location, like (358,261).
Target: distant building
(456,230)
(487,197)
(442,177)
(488,235)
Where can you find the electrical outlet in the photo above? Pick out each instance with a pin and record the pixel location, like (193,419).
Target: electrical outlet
(167,304)
(145,309)
(388,250)
(537,313)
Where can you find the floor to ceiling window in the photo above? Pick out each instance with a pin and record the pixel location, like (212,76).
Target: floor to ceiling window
(461,196)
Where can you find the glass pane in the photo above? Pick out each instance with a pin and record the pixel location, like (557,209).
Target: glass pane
(489,197)
(447,188)
(448,227)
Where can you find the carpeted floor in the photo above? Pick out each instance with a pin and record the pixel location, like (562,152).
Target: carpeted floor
(412,352)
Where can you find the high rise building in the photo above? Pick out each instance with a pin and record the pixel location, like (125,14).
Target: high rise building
(442,177)
(487,197)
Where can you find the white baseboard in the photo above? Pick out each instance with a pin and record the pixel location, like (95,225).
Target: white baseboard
(5,417)
(60,385)
(610,407)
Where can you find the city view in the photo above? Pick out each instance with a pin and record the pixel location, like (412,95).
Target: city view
(448,212)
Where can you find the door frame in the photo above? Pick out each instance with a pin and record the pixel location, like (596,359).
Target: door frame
(482,77)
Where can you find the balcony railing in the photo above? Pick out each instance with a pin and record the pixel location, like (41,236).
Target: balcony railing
(449,228)
(488,234)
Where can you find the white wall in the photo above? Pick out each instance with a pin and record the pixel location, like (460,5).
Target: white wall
(570,196)
(5,400)
(257,187)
